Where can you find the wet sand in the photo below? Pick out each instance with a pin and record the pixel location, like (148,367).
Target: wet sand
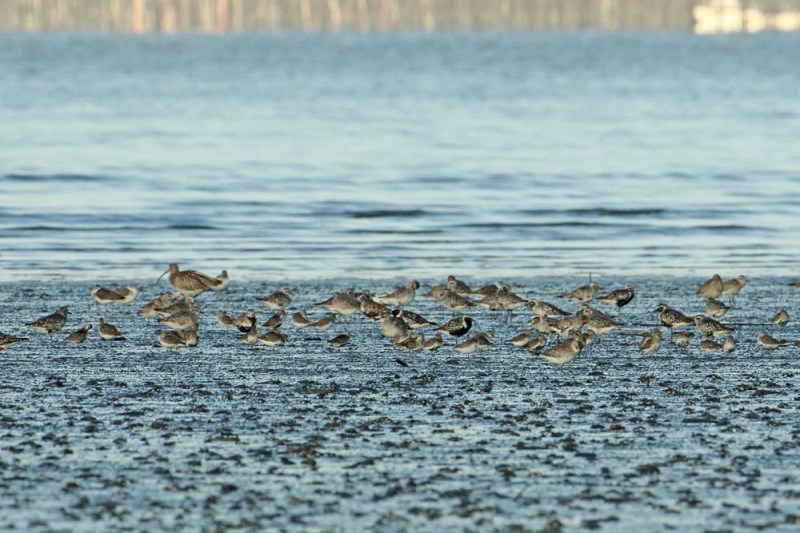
(126,436)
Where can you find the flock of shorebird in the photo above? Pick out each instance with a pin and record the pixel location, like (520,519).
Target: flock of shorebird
(179,315)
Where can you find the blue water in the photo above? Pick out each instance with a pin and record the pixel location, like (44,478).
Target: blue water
(320,156)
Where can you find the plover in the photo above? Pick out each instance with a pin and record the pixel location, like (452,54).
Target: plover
(619,298)
(484,339)
(708,327)
(433,344)
(566,327)
(179,321)
(251,337)
(545,309)
(370,307)
(457,326)
(79,335)
(412,319)
(715,308)
(711,288)
(673,318)
(225,319)
(457,286)
(189,282)
(600,325)
(7,341)
(781,318)
(437,292)
(340,340)
(651,342)
(730,344)
(278,299)
(582,294)
(545,325)
(344,303)
(108,331)
(768,342)
(245,321)
(401,296)
(454,302)
(491,289)
(50,323)
(169,339)
(392,326)
(563,352)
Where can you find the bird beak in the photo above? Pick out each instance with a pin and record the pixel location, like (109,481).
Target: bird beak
(161,276)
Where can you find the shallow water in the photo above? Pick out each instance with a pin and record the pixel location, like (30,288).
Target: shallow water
(125,436)
(321,156)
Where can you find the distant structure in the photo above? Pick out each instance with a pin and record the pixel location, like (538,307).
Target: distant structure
(139,16)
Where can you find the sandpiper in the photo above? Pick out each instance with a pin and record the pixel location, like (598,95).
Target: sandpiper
(682,339)
(413,341)
(344,303)
(179,321)
(412,319)
(108,331)
(324,323)
(225,319)
(437,292)
(457,326)
(709,346)
(224,282)
(190,282)
(651,342)
(79,335)
(400,296)
(619,298)
(768,342)
(732,287)
(50,323)
(545,309)
(245,321)
(251,337)
(491,290)
(152,308)
(278,299)
(582,294)
(730,344)
(520,340)
(536,343)
(392,326)
(276,320)
(600,325)
(485,339)
(340,340)
(672,318)
(468,346)
(708,327)
(781,318)
(564,352)
(711,288)
(567,327)
(300,319)
(169,339)
(545,325)
(370,307)
(104,296)
(433,344)
(273,338)
(457,286)
(715,308)
(454,302)
(7,341)
(128,292)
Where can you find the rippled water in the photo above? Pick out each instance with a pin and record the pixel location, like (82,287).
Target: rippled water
(319,156)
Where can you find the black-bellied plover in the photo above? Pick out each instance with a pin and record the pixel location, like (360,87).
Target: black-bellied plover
(672,318)
(468,346)
(79,335)
(224,282)
(50,323)
(413,320)
(708,327)
(714,308)
(245,321)
(454,302)
(413,341)
(582,294)
(370,307)
(536,343)
(300,319)
(619,297)
(7,341)
(545,309)
(711,288)
(484,339)
(324,323)
(392,326)
(732,287)
(491,289)
(225,319)
(278,299)
(457,286)
(179,321)
(781,318)
(568,326)
(563,352)
(189,282)
(458,326)
(545,325)
(600,325)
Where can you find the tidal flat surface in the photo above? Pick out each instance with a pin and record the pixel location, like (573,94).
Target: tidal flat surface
(127,436)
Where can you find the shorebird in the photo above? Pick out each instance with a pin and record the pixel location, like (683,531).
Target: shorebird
(582,294)
(601,324)
(273,338)
(251,337)
(340,340)
(567,327)
(79,335)
(715,308)
(225,319)
(370,307)
(278,299)
(457,326)
(324,323)
(176,339)
(128,292)
(491,289)
(564,352)
(651,342)
(344,303)
(708,327)
(412,319)
(545,309)
(276,320)
(152,308)
(732,287)
(767,342)
(108,331)
(7,341)
(392,326)
(433,344)
(521,340)
(618,298)
(709,346)
(782,318)
(300,320)
(179,321)
(105,297)
(413,341)
(245,321)
(50,323)
(484,339)
(189,282)
(536,343)
(457,286)
(673,318)
(730,344)
(224,282)
(454,302)
(545,325)
(437,292)
(711,288)
(795,284)
(468,346)
(682,339)
(400,296)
